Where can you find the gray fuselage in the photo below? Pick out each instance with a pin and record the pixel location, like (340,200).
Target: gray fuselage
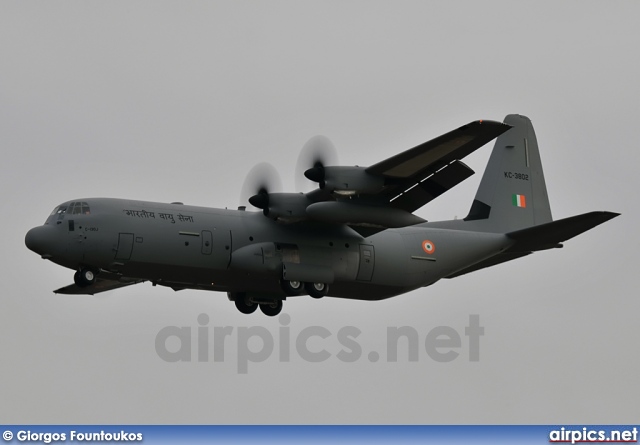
(185,246)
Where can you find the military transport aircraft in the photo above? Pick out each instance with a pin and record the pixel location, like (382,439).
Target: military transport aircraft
(354,236)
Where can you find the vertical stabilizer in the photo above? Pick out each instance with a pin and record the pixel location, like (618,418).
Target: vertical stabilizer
(512,193)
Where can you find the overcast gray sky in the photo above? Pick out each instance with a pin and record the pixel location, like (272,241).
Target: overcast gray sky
(176,101)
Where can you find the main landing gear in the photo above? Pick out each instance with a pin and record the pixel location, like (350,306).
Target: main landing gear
(248,306)
(244,306)
(271,309)
(85,277)
(316,290)
(272,306)
(293,288)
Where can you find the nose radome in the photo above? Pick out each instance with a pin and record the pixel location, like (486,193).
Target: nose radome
(38,239)
(30,239)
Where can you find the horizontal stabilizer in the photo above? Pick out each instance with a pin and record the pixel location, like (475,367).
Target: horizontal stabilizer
(542,237)
(95,288)
(549,235)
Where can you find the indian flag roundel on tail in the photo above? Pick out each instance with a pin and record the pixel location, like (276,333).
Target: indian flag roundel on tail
(519,201)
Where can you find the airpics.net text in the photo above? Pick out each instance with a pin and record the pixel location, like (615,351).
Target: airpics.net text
(313,344)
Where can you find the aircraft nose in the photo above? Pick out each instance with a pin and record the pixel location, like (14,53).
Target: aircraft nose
(39,239)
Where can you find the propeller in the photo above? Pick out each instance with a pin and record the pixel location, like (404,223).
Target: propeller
(317,153)
(261,180)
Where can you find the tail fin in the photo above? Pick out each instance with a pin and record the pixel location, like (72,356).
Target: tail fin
(512,193)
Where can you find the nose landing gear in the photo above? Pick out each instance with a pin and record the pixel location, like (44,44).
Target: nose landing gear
(85,277)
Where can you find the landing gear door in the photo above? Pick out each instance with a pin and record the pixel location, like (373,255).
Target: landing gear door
(367,262)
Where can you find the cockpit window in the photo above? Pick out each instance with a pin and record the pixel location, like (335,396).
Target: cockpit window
(59,211)
(72,208)
(79,208)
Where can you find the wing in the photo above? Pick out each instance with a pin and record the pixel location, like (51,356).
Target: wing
(423,173)
(440,151)
(101,285)
(385,194)
(416,192)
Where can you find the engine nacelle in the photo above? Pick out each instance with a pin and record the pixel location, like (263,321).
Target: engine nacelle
(362,215)
(287,207)
(346,181)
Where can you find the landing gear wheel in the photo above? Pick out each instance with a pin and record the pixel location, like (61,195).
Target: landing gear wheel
(85,277)
(243,306)
(271,309)
(292,288)
(317,290)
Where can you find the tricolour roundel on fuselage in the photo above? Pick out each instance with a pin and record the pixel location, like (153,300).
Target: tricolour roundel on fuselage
(428,246)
